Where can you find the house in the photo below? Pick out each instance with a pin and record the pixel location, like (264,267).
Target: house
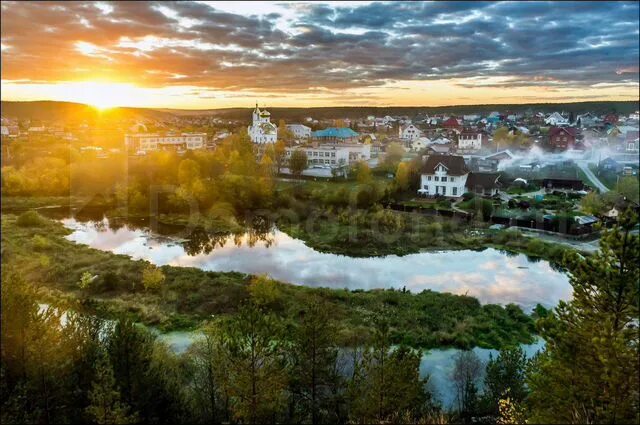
(333,134)
(587,120)
(151,142)
(572,184)
(332,155)
(631,142)
(609,165)
(444,175)
(452,124)
(299,131)
(556,119)
(484,183)
(438,149)
(470,141)
(409,132)
(610,119)
(262,130)
(420,143)
(562,138)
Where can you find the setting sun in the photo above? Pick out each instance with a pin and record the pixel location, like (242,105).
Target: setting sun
(102,95)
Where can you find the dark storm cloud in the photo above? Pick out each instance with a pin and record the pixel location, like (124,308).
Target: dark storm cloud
(572,44)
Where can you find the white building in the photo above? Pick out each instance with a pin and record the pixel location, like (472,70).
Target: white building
(409,132)
(331,156)
(444,175)
(299,131)
(152,142)
(261,130)
(470,141)
(556,119)
(4,130)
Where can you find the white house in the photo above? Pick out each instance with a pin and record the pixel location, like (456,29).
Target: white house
(152,142)
(261,130)
(556,119)
(420,143)
(299,131)
(4,131)
(409,132)
(444,175)
(470,141)
(331,156)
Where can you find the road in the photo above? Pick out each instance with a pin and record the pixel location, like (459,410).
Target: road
(584,166)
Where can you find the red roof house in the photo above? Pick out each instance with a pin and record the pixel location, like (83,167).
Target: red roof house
(562,138)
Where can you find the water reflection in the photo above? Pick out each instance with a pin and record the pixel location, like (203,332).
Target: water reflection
(490,275)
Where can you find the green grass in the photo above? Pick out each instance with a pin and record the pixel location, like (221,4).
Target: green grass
(190,296)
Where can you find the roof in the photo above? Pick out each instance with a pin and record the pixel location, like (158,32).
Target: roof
(484,180)
(340,133)
(454,164)
(571,131)
(451,122)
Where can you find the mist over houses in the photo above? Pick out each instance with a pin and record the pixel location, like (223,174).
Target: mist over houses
(482,153)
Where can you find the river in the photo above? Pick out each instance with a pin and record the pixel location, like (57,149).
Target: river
(490,275)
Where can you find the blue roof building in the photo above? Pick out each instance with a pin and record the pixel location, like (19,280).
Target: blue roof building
(344,134)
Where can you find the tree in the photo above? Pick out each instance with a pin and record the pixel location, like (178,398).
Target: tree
(505,378)
(188,172)
(256,377)
(362,172)
(588,372)
(314,356)
(467,371)
(402,176)
(105,406)
(284,134)
(393,155)
(387,381)
(628,187)
(152,277)
(298,162)
(279,154)
(592,203)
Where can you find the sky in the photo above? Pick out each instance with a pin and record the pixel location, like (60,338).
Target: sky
(198,55)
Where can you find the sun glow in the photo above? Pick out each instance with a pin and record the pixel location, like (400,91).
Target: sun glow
(103,95)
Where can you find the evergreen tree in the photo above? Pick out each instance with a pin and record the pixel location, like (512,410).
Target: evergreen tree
(387,382)
(105,406)
(589,370)
(505,376)
(314,355)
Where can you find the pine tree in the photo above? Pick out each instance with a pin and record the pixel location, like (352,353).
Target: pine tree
(314,356)
(589,370)
(105,407)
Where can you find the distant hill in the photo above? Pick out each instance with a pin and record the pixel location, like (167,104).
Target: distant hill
(297,114)
(65,111)
(69,111)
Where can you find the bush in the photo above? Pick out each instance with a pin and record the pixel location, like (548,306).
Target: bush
(40,243)
(468,195)
(30,219)
(152,277)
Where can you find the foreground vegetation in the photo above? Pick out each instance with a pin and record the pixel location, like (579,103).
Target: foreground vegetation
(186,297)
(258,366)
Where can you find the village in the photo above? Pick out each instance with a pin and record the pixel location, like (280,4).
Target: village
(554,173)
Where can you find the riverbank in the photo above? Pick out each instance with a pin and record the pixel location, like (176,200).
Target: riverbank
(189,297)
(356,233)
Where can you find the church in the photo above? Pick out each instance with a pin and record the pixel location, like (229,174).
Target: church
(262,130)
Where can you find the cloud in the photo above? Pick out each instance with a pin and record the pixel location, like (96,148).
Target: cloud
(572,45)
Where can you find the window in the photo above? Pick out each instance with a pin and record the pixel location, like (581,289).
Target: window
(425,187)
(436,178)
(451,179)
(444,179)
(429,178)
(455,191)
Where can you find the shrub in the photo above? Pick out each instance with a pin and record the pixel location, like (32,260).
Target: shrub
(30,219)
(40,243)
(85,280)
(152,277)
